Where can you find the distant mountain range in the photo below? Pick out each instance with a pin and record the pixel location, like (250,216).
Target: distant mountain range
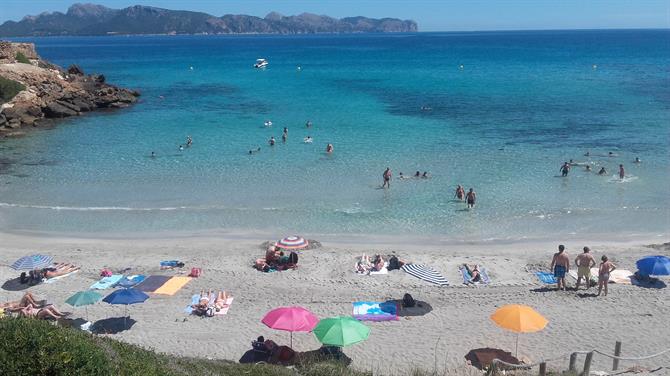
(91,19)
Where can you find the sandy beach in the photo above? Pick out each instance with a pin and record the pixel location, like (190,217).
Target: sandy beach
(326,284)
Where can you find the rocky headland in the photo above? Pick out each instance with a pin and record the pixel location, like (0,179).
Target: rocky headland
(34,91)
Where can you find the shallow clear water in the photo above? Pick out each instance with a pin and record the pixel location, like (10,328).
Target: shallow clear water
(520,105)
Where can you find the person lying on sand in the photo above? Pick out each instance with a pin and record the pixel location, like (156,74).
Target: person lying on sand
(200,309)
(26,300)
(58,270)
(48,312)
(220,301)
(475,275)
(378,263)
(363,265)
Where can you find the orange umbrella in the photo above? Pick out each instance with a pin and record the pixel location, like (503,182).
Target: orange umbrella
(519,319)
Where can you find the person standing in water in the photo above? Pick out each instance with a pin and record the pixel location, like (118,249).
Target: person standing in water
(284,135)
(565,169)
(460,193)
(153,154)
(329,148)
(189,141)
(622,173)
(560,264)
(584,264)
(470,198)
(387,178)
(272,141)
(308,124)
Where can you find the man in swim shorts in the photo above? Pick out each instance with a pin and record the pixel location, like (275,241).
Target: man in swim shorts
(584,262)
(565,169)
(470,198)
(560,264)
(387,178)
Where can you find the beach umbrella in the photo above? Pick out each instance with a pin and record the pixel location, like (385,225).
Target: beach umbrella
(84,298)
(32,262)
(293,242)
(519,319)
(126,297)
(290,319)
(341,331)
(654,265)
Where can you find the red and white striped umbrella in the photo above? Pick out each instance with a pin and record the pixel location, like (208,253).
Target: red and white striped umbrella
(292,242)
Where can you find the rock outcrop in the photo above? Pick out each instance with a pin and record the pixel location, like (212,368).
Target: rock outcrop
(52,92)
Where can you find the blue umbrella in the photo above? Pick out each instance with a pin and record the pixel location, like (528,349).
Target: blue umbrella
(32,262)
(654,265)
(126,297)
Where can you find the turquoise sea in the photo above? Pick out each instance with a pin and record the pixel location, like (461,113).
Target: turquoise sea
(495,111)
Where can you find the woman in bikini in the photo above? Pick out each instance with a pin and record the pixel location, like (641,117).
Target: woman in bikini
(203,303)
(475,275)
(48,312)
(59,270)
(606,267)
(220,301)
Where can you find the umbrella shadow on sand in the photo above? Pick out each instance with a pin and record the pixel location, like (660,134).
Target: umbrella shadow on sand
(482,357)
(306,357)
(112,325)
(420,308)
(14,285)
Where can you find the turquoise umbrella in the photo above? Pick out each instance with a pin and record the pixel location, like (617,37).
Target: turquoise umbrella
(84,298)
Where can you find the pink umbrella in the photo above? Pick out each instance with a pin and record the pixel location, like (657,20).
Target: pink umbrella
(293,242)
(290,319)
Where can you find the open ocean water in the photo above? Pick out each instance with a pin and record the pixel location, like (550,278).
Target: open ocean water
(495,111)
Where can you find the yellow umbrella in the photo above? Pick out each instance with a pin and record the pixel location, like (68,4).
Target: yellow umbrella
(519,319)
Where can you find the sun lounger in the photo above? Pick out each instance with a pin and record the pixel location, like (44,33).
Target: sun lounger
(375,311)
(54,279)
(152,283)
(546,278)
(107,282)
(171,286)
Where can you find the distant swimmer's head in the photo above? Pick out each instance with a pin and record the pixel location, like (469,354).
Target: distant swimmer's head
(587,249)
(610,153)
(588,168)
(153,154)
(471,190)
(251,151)
(561,248)
(418,173)
(571,161)
(637,160)
(425,174)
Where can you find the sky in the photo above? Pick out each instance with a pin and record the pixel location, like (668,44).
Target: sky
(431,15)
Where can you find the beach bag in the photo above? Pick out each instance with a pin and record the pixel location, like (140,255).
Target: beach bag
(106,273)
(394,263)
(195,272)
(408,301)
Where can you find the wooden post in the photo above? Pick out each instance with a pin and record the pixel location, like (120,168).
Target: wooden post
(543,369)
(587,364)
(617,352)
(573,362)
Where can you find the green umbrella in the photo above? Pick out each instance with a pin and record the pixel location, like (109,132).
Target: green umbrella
(340,331)
(84,298)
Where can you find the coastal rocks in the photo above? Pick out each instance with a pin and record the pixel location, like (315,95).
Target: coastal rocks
(9,50)
(74,69)
(53,93)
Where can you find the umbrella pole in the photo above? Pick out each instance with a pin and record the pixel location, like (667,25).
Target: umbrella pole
(517,346)
(291,340)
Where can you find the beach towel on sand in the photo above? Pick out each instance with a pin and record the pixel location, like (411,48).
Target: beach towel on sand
(546,277)
(225,309)
(425,273)
(130,280)
(195,299)
(375,311)
(173,285)
(152,283)
(54,279)
(594,277)
(485,280)
(107,282)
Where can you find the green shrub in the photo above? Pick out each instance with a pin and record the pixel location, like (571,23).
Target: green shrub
(21,58)
(8,89)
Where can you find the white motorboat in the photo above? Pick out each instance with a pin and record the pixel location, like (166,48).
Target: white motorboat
(261,63)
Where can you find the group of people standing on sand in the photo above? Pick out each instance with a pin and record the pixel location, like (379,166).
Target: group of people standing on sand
(560,265)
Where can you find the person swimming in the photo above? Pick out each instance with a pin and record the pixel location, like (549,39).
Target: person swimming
(602,171)
(587,154)
(417,174)
(153,154)
(181,148)
(308,140)
(637,160)
(267,123)
(251,151)
(189,141)
(588,167)
(329,148)
(425,175)
(272,141)
(308,124)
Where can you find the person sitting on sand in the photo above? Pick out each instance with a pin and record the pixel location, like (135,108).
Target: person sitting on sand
(606,267)
(26,300)
(47,312)
(475,275)
(363,265)
(602,171)
(378,263)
